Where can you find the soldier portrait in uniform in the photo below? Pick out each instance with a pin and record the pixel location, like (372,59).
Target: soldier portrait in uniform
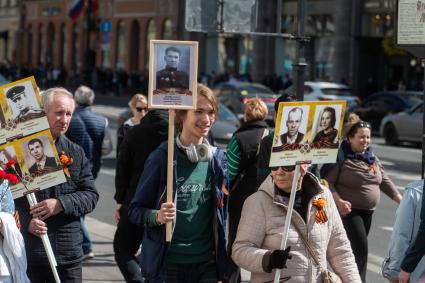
(173,73)
(41,155)
(23,105)
(171,76)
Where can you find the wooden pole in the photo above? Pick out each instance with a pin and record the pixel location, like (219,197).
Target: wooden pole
(169,225)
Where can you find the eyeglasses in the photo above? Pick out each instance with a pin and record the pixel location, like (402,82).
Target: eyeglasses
(284,168)
(140,109)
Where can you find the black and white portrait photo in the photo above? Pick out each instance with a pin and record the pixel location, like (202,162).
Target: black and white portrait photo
(293,125)
(39,155)
(325,127)
(22,102)
(173,73)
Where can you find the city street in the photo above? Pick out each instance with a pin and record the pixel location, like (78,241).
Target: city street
(402,164)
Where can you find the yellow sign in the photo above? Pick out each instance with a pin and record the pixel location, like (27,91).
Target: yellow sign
(307,132)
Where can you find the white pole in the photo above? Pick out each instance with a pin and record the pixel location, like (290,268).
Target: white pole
(288,217)
(46,243)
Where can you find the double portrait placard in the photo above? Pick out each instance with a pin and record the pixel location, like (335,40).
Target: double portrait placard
(307,132)
(25,138)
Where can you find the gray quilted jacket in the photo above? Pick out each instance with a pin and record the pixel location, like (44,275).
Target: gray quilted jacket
(261,227)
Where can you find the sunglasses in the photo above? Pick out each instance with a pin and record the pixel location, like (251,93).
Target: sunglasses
(140,109)
(358,125)
(362,124)
(284,168)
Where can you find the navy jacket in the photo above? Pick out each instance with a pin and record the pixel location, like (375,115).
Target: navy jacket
(78,197)
(151,192)
(87,129)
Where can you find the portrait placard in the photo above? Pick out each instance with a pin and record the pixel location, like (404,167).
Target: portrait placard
(38,162)
(173,74)
(21,110)
(307,132)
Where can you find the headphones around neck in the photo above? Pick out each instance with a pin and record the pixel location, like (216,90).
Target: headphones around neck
(197,153)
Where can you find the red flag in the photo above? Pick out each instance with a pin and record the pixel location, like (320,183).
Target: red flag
(94,6)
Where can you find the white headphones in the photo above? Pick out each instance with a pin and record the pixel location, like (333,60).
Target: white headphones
(197,153)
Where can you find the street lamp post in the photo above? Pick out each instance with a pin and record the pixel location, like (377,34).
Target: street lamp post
(300,65)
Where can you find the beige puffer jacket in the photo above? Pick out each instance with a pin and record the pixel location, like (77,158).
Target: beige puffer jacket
(261,227)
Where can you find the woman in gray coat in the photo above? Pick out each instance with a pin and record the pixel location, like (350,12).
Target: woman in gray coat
(257,244)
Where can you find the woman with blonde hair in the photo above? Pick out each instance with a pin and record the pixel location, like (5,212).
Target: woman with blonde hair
(242,154)
(139,107)
(356,182)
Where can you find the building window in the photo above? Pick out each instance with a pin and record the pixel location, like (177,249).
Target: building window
(134,46)
(150,34)
(167,29)
(377,25)
(39,45)
(62,51)
(320,25)
(51,44)
(29,45)
(120,44)
(74,42)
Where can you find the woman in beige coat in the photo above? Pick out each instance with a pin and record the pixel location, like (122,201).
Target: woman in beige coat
(259,235)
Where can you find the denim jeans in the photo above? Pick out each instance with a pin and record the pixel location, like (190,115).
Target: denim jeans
(204,272)
(87,243)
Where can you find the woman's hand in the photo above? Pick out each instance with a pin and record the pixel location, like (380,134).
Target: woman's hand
(404,276)
(397,198)
(166,213)
(344,207)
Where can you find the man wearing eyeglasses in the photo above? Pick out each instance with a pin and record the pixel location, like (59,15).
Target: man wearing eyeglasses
(88,130)
(21,106)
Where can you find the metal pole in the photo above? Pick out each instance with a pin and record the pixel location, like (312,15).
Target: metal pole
(423,122)
(288,217)
(279,17)
(300,65)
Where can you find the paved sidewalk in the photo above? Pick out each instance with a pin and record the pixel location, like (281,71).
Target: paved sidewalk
(102,268)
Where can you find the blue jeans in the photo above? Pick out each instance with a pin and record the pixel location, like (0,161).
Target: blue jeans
(87,243)
(204,272)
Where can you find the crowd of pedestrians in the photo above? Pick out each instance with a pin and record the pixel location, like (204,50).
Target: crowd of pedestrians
(329,228)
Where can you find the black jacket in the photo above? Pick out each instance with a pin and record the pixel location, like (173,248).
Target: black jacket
(249,138)
(138,143)
(78,197)
(50,162)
